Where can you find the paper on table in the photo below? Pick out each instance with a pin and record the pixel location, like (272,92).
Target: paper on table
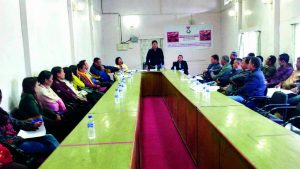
(41,131)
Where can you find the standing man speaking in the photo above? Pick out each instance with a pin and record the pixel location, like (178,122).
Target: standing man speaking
(155,57)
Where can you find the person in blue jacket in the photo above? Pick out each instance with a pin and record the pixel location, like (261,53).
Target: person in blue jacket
(99,72)
(255,84)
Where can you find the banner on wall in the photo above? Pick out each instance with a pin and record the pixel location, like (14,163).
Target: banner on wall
(191,36)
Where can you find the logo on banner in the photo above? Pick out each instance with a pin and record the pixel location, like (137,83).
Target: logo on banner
(188,29)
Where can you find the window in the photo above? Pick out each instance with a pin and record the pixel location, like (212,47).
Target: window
(249,43)
(296,42)
(227,2)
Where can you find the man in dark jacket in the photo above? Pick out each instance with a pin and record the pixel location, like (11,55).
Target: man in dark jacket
(225,71)
(98,71)
(255,84)
(180,64)
(236,69)
(155,57)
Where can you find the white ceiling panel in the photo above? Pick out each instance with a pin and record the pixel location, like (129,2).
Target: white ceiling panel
(127,7)
(190,6)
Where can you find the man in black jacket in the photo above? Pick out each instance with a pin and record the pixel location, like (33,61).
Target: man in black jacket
(180,64)
(155,57)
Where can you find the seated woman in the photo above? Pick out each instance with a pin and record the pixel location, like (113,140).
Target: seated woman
(65,89)
(31,109)
(77,83)
(120,65)
(72,80)
(47,96)
(42,145)
(52,101)
(67,94)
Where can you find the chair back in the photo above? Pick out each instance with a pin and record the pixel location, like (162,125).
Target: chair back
(278,98)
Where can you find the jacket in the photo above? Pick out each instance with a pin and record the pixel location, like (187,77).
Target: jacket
(254,86)
(183,66)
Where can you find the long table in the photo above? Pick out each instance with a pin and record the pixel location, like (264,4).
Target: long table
(217,131)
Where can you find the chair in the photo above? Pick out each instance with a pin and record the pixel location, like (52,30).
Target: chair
(256,102)
(294,124)
(275,108)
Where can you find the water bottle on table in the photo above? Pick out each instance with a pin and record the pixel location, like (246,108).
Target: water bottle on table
(91,128)
(117,97)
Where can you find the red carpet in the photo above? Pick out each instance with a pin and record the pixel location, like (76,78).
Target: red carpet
(162,147)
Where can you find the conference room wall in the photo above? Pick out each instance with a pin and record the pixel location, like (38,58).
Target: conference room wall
(289,14)
(97,30)
(11,55)
(43,40)
(262,18)
(153,26)
(229,32)
(48,32)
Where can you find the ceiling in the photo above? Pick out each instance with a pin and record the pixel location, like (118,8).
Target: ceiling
(148,7)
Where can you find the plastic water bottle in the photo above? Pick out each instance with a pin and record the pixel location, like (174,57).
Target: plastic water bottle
(91,128)
(174,69)
(117,98)
(207,93)
(155,67)
(120,88)
(182,75)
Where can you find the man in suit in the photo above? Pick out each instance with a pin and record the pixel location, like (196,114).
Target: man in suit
(180,64)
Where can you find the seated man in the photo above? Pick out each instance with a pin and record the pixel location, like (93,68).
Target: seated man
(283,72)
(214,67)
(292,81)
(180,64)
(239,79)
(225,71)
(233,56)
(269,69)
(255,84)
(98,71)
(236,69)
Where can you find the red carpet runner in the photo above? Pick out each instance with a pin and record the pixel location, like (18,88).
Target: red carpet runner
(162,147)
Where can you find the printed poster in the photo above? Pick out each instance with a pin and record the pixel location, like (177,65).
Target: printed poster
(191,36)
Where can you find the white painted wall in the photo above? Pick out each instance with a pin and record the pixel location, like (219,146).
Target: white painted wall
(288,17)
(262,19)
(11,54)
(49,40)
(49,36)
(82,34)
(154,26)
(97,30)
(229,32)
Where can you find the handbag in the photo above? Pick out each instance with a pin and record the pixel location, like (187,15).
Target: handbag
(5,155)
